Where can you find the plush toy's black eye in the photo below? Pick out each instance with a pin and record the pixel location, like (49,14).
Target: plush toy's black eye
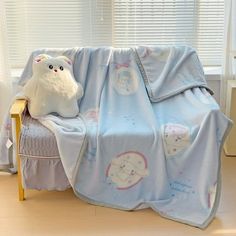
(51,67)
(61,68)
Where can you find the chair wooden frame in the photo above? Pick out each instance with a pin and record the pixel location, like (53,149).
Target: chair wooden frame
(16,112)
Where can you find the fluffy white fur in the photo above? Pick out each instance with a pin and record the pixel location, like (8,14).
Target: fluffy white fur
(52,88)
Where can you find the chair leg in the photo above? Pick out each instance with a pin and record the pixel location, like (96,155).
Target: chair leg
(20,186)
(20,189)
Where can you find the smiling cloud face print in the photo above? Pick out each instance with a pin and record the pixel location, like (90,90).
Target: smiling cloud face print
(125,81)
(176,138)
(127,169)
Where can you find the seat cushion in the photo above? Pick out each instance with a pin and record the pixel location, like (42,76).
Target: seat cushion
(41,165)
(43,174)
(36,140)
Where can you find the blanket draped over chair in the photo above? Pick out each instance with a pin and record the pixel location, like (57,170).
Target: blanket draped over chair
(149,133)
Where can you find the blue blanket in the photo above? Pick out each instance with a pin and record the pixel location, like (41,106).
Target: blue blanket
(149,133)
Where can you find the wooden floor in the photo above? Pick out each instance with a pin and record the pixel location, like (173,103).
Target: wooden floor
(61,213)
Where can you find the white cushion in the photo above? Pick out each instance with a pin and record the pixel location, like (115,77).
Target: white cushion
(52,88)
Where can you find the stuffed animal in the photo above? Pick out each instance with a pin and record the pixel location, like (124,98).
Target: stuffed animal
(52,88)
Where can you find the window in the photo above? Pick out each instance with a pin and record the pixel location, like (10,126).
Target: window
(198,23)
(35,24)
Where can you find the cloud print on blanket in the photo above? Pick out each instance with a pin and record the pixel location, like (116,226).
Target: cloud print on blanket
(125,81)
(161,55)
(127,169)
(176,138)
(92,116)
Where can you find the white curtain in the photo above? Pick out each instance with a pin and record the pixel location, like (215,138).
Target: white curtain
(5,80)
(229,57)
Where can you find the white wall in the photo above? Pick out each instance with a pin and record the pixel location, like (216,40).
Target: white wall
(215,86)
(213,77)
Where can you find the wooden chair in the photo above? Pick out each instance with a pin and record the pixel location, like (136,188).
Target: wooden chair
(16,112)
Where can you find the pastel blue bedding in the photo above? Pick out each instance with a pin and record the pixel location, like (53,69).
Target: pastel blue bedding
(149,133)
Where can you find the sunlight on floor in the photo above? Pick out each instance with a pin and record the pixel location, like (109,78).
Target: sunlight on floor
(225,231)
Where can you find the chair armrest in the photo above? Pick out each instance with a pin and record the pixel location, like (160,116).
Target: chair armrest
(16,111)
(18,107)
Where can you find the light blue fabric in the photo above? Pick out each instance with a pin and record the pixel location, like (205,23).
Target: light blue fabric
(152,133)
(169,70)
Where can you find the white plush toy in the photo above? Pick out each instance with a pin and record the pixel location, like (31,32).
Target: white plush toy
(52,88)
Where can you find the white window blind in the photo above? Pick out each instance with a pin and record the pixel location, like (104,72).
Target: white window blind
(33,24)
(198,23)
